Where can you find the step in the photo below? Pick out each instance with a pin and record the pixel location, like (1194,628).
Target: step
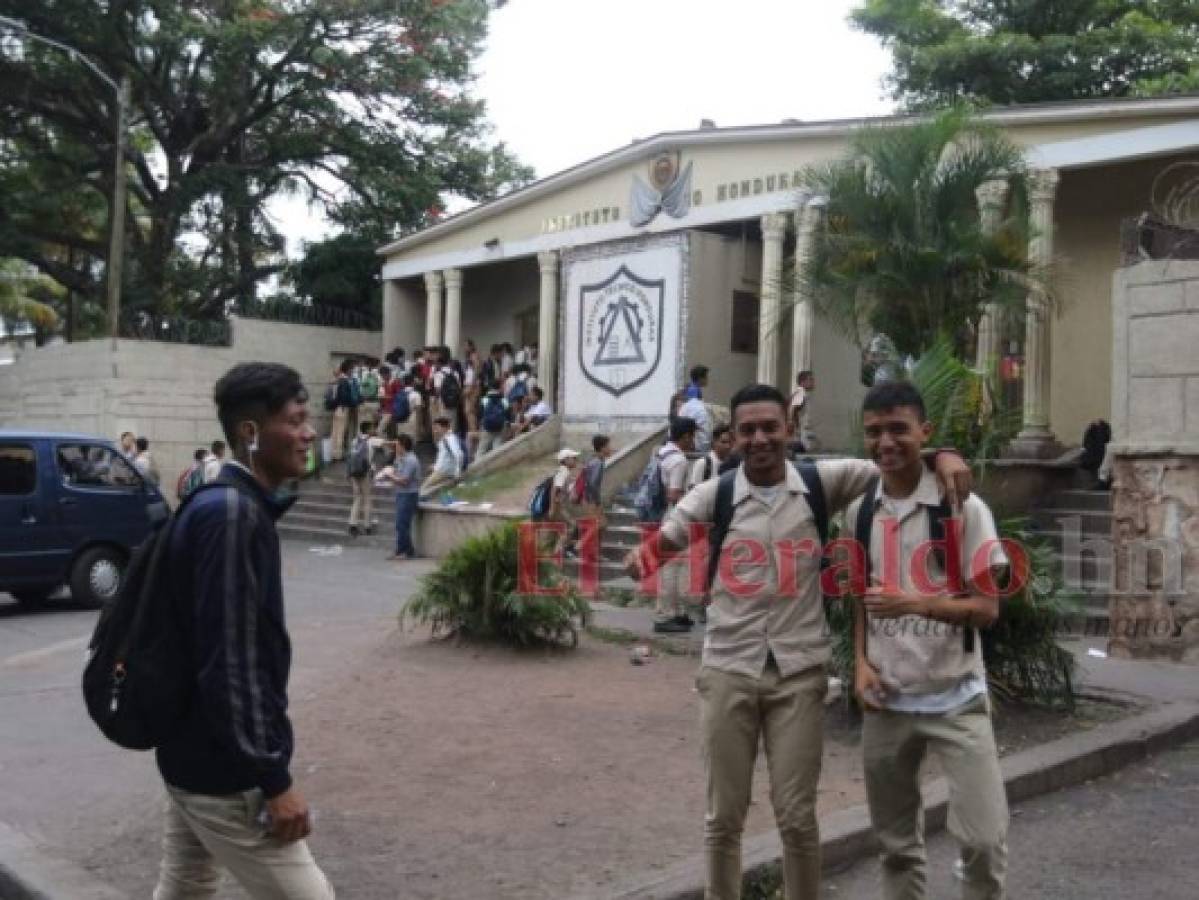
(608,572)
(1087,522)
(305,520)
(621,535)
(326,537)
(1094,501)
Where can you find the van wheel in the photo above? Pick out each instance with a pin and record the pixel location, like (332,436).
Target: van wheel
(97,576)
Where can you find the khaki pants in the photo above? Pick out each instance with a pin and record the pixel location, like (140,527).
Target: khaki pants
(360,509)
(204,834)
(893,747)
(337,435)
(787,716)
(673,579)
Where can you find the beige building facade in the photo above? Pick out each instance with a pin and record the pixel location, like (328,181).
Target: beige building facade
(678,249)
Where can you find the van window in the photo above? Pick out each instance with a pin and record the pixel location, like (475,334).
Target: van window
(18,470)
(90,465)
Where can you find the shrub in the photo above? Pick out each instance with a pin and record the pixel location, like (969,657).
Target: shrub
(473,594)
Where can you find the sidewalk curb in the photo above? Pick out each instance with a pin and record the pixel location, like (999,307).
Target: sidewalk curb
(846,836)
(28,873)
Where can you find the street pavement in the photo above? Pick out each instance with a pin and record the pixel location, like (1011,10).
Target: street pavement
(64,785)
(1127,836)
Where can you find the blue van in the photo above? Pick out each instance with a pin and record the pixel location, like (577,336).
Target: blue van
(72,510)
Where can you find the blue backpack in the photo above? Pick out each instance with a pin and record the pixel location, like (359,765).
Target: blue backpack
(650,498)
(539,502)
(519,391)
(494,415)
(401,409)
(355,393)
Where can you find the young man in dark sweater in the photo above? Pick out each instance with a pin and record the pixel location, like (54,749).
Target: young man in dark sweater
(230,799)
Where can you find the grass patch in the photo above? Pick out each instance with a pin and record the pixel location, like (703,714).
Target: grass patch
(622,637)
(477,489)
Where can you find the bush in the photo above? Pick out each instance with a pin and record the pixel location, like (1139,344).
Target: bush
(473,594)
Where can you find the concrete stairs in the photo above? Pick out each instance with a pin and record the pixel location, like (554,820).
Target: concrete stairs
(321,515)
(620,534)
(1071,520)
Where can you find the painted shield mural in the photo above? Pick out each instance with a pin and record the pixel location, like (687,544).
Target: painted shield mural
(620,338)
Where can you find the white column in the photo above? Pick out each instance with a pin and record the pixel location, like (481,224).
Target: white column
(432,309)
(807,219)
(1042,186)
(453,310)
(547,324)
(774,229)
(391,316)
(991,198)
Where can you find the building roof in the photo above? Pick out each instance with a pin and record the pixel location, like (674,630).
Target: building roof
(1080,152)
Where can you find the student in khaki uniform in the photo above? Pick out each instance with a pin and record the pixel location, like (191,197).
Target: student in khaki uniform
(919,663)
(670,613)
(762,676)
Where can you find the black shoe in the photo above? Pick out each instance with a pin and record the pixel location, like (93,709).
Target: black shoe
(671,626)
(684,619)
(353,531)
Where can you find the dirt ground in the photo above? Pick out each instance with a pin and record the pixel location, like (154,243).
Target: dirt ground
(466,771)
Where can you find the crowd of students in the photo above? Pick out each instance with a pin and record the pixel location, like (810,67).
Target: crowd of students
(486,400)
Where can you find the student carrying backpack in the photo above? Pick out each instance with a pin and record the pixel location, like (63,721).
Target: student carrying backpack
(359,463)
(401,407)
(540,500)
(495,416)
(451,390)
(650,498)
(370,385)
(519,391)
(136,682)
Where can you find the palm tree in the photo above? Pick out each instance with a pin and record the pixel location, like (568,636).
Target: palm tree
(17,303)
(903,250)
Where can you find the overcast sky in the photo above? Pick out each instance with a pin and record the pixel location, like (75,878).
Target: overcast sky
(568,80)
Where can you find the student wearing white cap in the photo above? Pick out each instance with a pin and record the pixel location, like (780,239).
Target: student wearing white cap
(561,509)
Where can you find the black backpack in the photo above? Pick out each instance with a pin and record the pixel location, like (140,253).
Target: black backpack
(137,683)
(451,391)
(722,516)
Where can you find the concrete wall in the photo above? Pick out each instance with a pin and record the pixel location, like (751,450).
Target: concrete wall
(163,391)
(1091,205)
(1155,529)
(492,297)
(403,315)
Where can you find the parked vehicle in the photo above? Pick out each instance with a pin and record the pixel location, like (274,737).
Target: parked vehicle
(72,510)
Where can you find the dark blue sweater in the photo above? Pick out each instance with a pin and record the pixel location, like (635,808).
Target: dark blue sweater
(228,582)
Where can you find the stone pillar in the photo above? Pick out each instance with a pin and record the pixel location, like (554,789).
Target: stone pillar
(991,199)
(432,309)
(453,310)
(807,218)
(1035,439)
(774,229)
(547,324)
(391,316)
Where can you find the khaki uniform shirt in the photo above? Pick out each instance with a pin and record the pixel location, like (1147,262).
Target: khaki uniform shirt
(785,615)
(914,654)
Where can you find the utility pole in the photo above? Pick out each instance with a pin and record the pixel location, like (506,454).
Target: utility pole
(116,239)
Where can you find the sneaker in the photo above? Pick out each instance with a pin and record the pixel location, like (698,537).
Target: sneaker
(670,626)
(684,619)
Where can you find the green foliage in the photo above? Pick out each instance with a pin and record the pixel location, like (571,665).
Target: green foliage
(362,108)
(903,251)
(473,594)
(25,298)
(1032,51)
(341,272)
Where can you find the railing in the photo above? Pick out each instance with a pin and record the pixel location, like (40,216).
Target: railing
(314,314)
(141,325)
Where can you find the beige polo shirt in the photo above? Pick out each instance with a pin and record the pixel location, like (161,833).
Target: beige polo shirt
(773,602)
(915,655)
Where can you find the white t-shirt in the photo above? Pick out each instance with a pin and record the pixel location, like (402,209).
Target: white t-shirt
(563,477)
(672,464)
(541,409)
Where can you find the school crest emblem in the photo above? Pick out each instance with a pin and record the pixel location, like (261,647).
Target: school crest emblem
(620,341)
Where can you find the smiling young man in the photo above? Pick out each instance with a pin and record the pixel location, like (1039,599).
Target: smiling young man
(919,662)
(231,802)
(762,676)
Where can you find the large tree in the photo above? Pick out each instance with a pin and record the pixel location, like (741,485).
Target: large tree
(1028,51)
(362,106)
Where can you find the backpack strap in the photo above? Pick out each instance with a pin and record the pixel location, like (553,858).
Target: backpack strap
(722,518)
(953,558)
(865,520)
(811,478)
